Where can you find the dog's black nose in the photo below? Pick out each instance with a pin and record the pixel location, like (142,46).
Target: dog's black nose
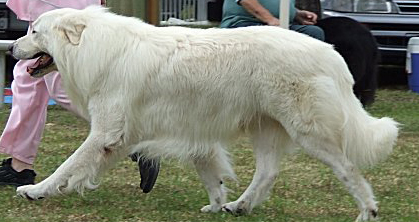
(10,48)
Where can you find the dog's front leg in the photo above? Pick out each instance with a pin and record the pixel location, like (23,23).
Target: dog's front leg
(79,171)
(100,150)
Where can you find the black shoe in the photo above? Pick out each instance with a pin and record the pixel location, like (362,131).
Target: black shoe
(149,170)
(9,176)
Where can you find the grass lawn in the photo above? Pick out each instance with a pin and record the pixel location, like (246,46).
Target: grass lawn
(306,190)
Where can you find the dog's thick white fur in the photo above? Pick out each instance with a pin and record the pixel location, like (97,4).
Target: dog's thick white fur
(186,93)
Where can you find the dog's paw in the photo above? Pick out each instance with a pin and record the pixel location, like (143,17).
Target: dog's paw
(211,209)
(237,208)
(367,215)
(30,192)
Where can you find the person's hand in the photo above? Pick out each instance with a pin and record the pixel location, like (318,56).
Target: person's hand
(306,18)
(103,2)
(273,22)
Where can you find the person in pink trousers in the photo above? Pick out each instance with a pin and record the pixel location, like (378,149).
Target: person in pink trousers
(23,131)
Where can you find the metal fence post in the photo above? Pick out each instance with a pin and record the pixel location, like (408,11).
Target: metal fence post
(201,10)
(284,11)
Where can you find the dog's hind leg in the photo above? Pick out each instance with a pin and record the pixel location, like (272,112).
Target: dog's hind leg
(346,172)
(269,141)
(212,170)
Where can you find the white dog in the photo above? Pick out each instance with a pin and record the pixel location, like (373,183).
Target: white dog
(185,93)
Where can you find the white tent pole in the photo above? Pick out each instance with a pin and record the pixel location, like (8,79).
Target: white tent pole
(284,11)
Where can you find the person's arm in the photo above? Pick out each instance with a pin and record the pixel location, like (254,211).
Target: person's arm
(257,10)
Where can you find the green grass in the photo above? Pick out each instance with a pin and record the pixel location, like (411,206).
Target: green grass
(306,190)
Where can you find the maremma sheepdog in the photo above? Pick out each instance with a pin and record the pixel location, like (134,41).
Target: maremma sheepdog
(186,93)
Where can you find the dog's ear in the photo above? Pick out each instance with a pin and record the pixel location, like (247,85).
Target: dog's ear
(72,28)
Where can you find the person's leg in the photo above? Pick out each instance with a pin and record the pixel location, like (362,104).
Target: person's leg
(246,24)
(310,30)
(23,131)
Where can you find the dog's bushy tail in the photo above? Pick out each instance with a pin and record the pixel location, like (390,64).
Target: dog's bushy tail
(366,140)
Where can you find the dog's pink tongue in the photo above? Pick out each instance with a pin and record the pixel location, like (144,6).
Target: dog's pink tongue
(41,61)
(31,69)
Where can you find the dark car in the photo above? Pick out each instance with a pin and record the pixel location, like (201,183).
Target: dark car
(392,22)
(10,29)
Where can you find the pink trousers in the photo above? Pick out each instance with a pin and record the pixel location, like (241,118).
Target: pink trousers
(23,131)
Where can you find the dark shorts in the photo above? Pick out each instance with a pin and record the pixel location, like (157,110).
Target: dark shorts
(310,30)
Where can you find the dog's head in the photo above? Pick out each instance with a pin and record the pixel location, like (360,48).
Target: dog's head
(52,32)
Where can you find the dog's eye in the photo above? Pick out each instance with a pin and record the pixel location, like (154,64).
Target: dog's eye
(34,32)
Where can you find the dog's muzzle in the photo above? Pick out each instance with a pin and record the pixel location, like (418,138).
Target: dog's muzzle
(42,66)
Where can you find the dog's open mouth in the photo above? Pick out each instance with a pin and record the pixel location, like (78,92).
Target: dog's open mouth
(43,65)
